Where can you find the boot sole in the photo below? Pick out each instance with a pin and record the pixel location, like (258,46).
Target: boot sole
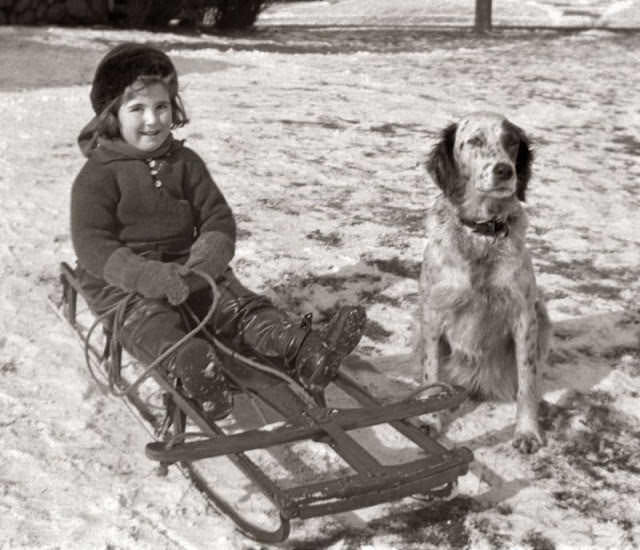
(346,332)
(342,336)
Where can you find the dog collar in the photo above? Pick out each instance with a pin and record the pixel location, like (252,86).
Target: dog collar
(491,228)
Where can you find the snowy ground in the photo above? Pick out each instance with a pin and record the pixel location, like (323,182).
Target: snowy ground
(617,13)
(321,155)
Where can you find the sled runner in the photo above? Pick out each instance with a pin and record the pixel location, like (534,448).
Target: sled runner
(366,481)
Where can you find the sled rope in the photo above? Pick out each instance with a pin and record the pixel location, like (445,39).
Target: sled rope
(118,311)
(235,355)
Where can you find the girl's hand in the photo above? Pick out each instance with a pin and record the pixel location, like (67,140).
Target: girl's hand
(211,252)
(164,280)
(195,282)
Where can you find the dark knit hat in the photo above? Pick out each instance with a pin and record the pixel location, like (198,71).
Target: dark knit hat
(122,66)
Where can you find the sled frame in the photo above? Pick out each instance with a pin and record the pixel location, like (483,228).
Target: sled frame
(372,483)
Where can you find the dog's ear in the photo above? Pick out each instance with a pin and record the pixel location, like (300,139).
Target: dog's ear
(440,163)
(524,160)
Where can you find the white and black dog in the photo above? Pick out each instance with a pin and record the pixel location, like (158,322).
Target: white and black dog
(482,323)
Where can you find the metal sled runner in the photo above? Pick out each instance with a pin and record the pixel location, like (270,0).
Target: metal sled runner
(367,482)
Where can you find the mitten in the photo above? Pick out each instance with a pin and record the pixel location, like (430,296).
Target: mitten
(211,252)
(163,279)
(153,279)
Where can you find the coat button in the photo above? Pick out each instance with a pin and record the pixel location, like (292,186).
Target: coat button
(157,183)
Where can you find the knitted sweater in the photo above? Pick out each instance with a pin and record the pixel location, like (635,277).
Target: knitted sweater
(124,206)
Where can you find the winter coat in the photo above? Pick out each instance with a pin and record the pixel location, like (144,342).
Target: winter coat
(127,208)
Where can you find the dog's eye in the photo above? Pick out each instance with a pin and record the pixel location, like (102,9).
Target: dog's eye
(510,142)
(476,141)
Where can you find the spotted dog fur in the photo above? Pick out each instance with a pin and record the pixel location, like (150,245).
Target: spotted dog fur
(482,322)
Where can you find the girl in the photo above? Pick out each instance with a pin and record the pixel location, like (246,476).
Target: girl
(145,211)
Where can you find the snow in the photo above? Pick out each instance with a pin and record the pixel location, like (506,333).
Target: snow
(318,141)
(456,12)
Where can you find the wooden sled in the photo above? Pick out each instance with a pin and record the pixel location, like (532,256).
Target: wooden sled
(367,482)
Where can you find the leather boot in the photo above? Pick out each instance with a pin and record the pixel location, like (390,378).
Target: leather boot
(199,369)
(319,356)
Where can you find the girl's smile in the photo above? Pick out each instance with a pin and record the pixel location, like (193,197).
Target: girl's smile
(145,116)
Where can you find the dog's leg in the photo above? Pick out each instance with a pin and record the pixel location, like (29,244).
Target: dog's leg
(430,333)
(430,329)
(429,356)
(430,375)
(527,437)
(545,332)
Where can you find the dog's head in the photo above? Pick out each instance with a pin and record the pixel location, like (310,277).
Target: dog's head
(485,151)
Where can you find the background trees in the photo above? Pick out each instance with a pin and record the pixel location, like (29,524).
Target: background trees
(219,14)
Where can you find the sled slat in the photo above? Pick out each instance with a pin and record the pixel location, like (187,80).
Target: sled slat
(352,492)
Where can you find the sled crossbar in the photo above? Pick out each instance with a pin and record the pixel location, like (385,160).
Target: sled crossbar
(310,424)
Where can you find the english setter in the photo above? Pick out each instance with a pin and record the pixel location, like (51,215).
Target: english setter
(482,323)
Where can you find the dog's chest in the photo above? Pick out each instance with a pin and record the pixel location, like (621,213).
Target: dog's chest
(477,293)
(482,313)
(485,299)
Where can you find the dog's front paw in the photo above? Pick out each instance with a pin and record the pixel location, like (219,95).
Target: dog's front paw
(527,442)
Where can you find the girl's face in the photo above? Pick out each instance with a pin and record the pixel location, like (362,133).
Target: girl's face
(145,116)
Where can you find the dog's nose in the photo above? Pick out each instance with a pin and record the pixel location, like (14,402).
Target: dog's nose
(503,171)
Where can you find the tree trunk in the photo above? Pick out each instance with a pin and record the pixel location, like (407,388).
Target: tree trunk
(483,15)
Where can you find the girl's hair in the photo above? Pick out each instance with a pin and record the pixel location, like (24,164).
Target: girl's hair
(107,123)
